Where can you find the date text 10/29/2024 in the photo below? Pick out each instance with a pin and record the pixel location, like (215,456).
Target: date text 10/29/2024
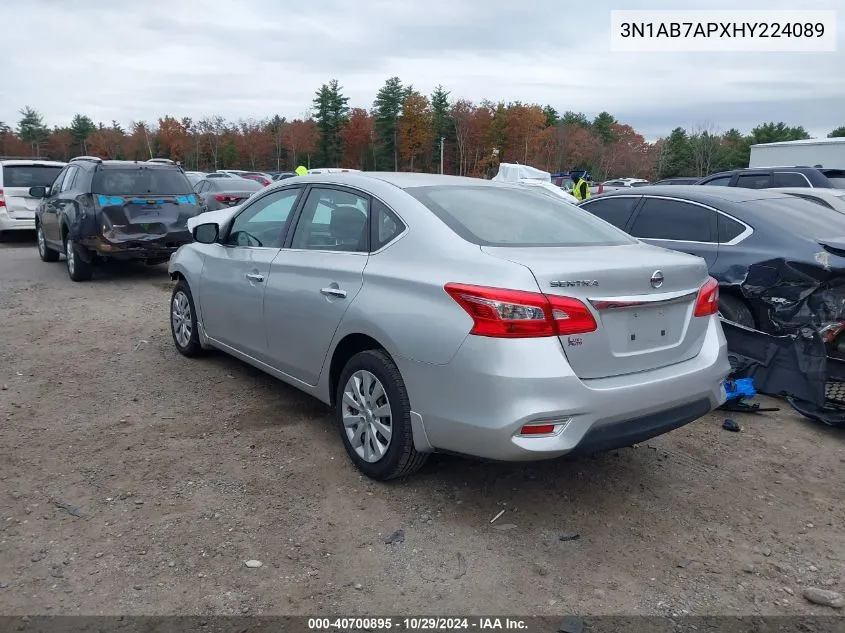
(423,623)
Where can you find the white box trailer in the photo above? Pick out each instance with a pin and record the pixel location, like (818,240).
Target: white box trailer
(814,152)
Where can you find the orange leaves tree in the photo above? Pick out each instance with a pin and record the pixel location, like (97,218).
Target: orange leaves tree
(302,137)
(523,127)
(253,143)
(173,138)
(415,129)
(357,138)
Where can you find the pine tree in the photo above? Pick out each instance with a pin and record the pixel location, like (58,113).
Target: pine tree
(603,127)
(441,122)
(82,127)
(387,109)
(31,129)
(332,113)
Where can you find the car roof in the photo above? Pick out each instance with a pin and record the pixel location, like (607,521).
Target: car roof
(128,163)
(698,193)
(32,161)
(402,180)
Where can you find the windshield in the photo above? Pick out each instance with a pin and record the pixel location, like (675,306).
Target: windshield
(502,216)
(29,175)
(139,181)
(838,182)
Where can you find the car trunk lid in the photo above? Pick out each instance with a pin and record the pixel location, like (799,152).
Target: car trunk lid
(643,299)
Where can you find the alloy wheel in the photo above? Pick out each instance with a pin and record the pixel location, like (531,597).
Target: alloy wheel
(70,253)
(367,416)
(180,316)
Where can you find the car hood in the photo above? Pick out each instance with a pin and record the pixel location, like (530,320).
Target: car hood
(220,217)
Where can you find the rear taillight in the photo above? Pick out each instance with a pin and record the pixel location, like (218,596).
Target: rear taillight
(708,299)
(2,199)
(504,313)
(227,199)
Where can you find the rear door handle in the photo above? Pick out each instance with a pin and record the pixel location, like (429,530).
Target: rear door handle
(333,292)
(256,277)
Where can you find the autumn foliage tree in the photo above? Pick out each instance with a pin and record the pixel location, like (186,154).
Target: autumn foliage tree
(415,130)
(357,137)
(302,137)
(172,138)
(253,142)
(107,143)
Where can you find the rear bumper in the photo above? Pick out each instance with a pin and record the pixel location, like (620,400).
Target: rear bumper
(477,403)
(157,247)
(8,223)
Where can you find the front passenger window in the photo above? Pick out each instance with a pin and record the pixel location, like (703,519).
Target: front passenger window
(56,187)
(262,224)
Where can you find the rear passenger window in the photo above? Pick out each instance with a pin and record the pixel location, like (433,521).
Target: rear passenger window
(790,179)
(616,209)
(385,227)
(721,181)
(661,219)
(729,229)
(754,181)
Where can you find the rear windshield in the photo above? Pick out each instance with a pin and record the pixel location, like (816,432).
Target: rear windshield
(235,184)
(797,216)
(140,180)
(836,177)
(502,216)
(29,175)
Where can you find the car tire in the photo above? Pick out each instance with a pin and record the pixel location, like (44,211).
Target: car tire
(46,253)
(364,442)
(183,321)
(77,268)
(733,309)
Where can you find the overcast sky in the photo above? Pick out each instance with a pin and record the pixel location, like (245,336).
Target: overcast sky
(141,59)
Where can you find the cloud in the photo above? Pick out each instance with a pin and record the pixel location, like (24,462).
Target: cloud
(256,58)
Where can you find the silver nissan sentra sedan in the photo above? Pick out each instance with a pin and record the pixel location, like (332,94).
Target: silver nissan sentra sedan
(439,313)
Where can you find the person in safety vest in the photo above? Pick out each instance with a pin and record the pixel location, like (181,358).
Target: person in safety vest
(300,171)
(581,190)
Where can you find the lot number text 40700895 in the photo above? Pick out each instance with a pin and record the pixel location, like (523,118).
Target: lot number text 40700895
(423,623)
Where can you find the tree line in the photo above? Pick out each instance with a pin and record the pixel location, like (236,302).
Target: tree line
(403,130)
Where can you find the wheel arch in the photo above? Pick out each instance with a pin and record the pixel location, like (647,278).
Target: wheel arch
(345,349)
(734,292)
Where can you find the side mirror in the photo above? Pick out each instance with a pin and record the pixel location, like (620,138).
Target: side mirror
(38,192)
(207,233)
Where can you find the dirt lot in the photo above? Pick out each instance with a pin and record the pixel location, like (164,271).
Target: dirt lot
(136,481)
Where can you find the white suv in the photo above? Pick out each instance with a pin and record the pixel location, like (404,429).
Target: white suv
(17,207)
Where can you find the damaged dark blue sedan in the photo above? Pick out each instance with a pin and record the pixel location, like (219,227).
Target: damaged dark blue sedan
(779,260)
(98,210)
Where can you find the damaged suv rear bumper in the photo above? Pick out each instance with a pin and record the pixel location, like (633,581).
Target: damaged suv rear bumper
(153,247)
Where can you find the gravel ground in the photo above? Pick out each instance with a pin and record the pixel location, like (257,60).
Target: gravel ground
(136,481)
